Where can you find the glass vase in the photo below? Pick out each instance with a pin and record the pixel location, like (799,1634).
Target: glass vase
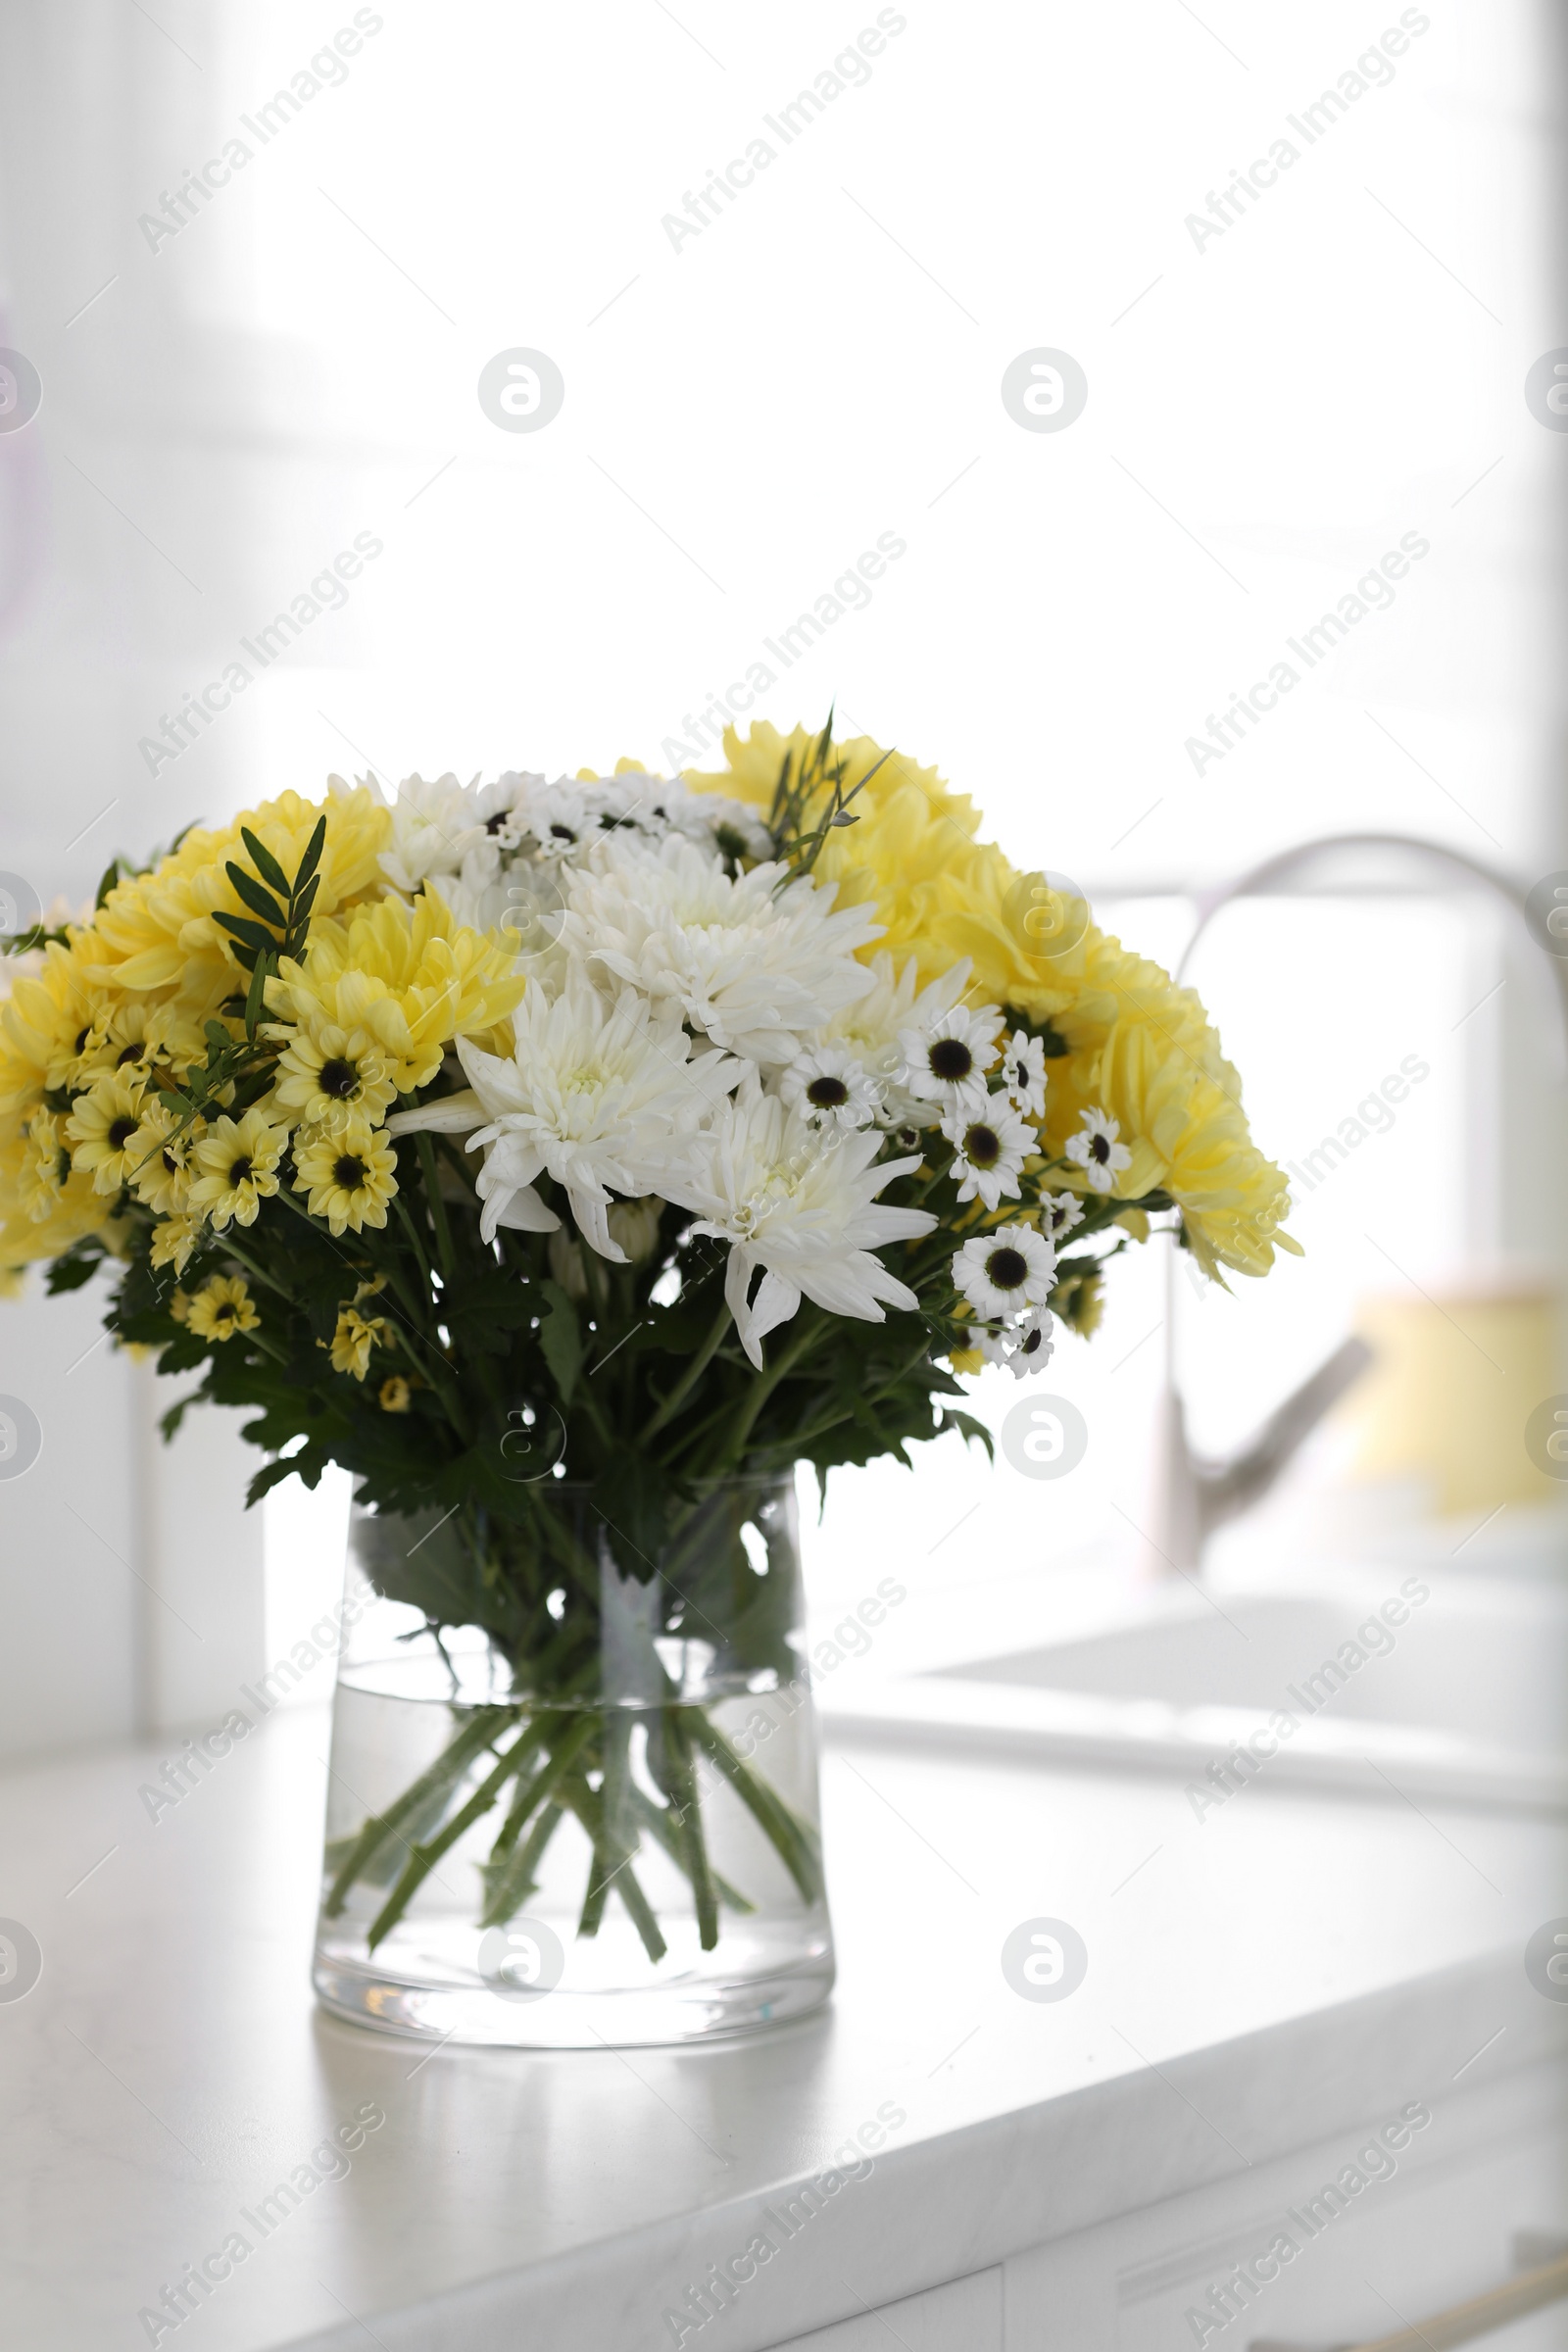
(573,1789)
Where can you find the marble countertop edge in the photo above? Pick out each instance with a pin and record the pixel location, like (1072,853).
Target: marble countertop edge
(956,2201)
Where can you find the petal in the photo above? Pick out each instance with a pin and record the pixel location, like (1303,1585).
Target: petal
(775,1302)
(451,1114)
(737,1282)
(592,1224)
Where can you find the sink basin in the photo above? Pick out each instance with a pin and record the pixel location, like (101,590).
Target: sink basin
(1447,1690)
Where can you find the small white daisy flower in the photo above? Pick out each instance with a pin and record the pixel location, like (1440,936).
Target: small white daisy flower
(991,1148)
(831,1088)
(1006,1273)
(1028,1344)
(947,1062)
(1096,1151)
(1023,1073)
(989,1340)
(1059,1212)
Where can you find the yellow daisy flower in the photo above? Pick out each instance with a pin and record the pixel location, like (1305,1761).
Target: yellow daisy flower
(393,1395)
(328,1073)
(159,1155)
(221,1308)
(355,1337)
(237,1160)
(172,1242)
(102,1127)
(350,1177)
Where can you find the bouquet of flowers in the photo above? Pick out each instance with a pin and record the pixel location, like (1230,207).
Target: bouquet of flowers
(623,1138)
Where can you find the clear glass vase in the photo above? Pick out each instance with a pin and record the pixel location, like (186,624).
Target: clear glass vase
(573,1791)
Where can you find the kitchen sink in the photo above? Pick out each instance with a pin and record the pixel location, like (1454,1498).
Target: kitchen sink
(1442,1689)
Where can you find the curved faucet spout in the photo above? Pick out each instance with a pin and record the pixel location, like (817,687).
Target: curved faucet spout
(1197,1494)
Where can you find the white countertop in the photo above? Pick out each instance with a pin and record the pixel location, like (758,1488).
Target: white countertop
(1255,1980)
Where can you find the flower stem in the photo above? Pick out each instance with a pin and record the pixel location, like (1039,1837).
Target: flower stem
(687,1820)
(690,1377)
(438,1207)
(796,1844)
(510,1888)
(422,1858)
(381,1828)
(764,1383)
(510,1882)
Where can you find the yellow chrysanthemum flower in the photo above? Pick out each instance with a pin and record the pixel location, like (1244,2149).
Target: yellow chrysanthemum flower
(1138,1046)
(103,1126)
(350,1177)
(355,1337)
(47,1021)
(172,1244)
(221,1308)
(412,978)
(45,1166)
(155,931)
(237,1164)
(328,1074)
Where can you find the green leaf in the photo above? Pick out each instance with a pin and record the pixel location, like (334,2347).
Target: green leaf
(561,1338)
(249,935)
(264,863)
(111,876)
(69,1273)
(259,901)
(175,1414)
(253,994)
(313,856)
(270,1475)
(969,1428)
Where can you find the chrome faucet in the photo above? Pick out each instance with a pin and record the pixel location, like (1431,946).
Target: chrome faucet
(1193,1495)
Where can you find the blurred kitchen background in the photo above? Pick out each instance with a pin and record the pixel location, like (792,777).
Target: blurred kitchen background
(241,376)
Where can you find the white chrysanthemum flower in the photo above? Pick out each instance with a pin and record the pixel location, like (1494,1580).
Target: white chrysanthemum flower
(991,1150)
(875,1024)
(1096,1151)
(829,1087)
(1004,1274)
(1059,1212)
(752,961)
(597,1095)
(434,824)
(802,1206)
(947,1062)
(1023,1073)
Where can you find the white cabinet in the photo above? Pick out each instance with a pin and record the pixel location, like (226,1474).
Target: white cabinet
(964,2315)
(1433,2223)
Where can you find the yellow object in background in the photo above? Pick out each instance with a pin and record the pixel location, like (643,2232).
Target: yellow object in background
(1457,1376)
